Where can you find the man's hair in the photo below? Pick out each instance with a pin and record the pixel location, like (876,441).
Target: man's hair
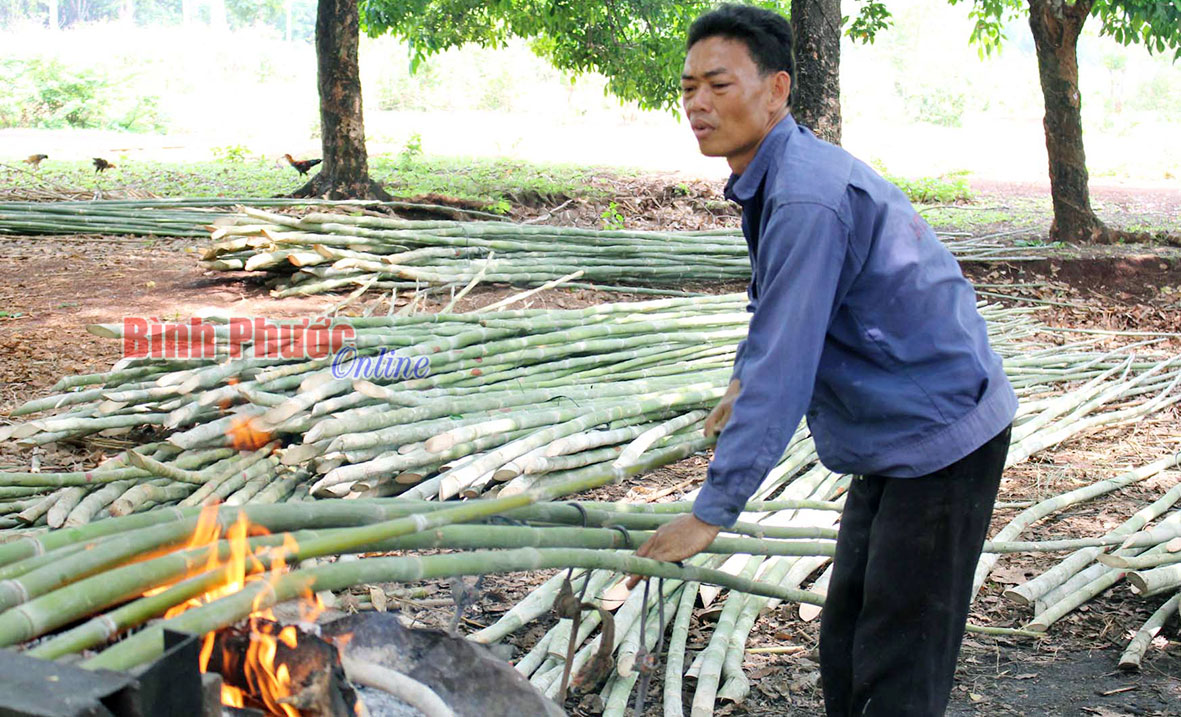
(766,34)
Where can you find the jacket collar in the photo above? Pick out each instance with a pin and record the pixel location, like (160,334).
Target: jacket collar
(742,187)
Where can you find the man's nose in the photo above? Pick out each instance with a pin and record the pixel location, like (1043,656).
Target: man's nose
(699,101)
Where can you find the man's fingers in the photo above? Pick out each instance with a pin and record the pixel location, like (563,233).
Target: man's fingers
(716,421)
(643,550)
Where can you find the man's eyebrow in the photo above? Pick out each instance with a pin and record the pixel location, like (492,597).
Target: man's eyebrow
(710,73)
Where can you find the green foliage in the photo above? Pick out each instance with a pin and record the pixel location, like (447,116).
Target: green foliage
(612,218)
(638,45)
(945,189)
(48,94)
(1152,23)
(232,153)
(935,103)
(45,93)
(1159,94)
(412,150)
(239,13)
(872,18)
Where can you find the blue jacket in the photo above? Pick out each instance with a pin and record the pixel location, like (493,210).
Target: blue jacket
(862,319)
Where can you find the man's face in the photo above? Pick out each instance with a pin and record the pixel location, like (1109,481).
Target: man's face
(730,106)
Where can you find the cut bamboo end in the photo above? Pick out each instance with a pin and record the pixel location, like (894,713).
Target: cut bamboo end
(808,613)
(439,443)
(1113,561)
(1137,584)
(26,430)
(409,477)
(370,389)
(105,331)
(304,258)
(300,453)
(507,472)
(1017,597)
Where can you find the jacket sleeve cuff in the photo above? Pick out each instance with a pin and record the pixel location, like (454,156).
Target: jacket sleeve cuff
(715,507)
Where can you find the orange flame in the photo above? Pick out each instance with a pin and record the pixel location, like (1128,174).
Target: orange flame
(265,682)
(245,434)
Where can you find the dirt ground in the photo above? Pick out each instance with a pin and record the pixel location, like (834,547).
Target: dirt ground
(54,286)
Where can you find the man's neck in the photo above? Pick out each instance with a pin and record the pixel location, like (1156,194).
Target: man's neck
(740,161)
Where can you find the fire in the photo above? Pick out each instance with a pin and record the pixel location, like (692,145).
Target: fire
(246,435)
(266,682)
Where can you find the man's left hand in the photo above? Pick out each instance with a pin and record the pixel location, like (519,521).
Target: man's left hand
(676,540)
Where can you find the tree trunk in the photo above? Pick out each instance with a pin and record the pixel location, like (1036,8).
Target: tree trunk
(345,171)
(1056,26)
(54,18)
(816,27)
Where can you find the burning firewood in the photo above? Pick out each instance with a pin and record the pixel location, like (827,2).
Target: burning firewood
(285,669)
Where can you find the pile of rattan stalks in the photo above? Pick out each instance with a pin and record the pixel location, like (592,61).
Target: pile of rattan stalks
(528,406)
(328,252)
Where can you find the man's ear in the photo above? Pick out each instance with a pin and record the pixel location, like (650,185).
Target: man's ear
(780,89)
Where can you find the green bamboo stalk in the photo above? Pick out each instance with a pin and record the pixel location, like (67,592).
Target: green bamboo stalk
(1051,505)
(147,644)
(537,603)
(1155,580)
(715,652)
(528,664)
(1032,590)
(65,504)
(675,661)
(1134,653)
(39,507)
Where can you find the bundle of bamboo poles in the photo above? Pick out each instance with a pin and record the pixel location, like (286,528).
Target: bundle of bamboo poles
(178,217)
(512,396)
(328,252)
(525,405)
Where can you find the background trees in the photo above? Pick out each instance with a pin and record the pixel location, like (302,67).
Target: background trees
(1056,25)
(345,172)
(639,45)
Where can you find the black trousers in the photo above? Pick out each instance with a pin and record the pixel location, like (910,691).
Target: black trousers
(898,598)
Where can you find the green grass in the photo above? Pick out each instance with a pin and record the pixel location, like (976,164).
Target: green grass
(252,178)
(946,189)
(496,184)
(991,214)
(499,182)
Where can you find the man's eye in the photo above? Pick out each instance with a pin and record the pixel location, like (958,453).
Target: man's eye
(720,85)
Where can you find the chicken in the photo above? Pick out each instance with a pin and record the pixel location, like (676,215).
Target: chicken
(102,165)
(301,165)
(36,159)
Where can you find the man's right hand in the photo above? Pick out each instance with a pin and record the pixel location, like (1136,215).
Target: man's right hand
(720,416)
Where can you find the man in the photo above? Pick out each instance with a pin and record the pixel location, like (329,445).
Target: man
(863,321)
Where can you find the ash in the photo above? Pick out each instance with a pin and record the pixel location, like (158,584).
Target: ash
(383,704)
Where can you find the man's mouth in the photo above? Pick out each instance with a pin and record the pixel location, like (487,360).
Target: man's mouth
(701,129)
